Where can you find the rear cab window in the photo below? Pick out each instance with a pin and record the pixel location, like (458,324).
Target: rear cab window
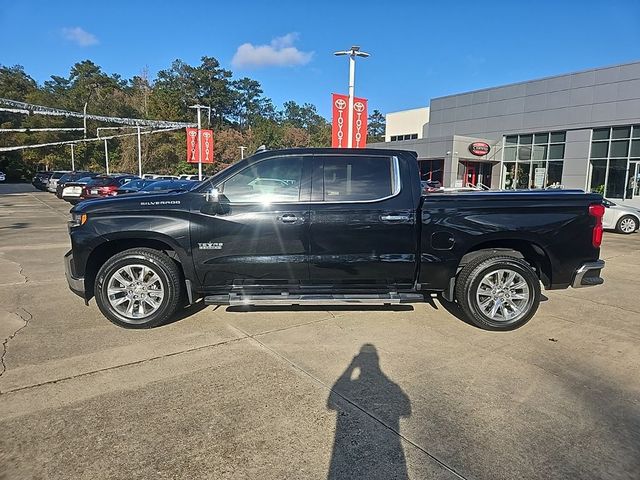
(359,178)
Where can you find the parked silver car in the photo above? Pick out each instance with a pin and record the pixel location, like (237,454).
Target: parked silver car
(621,218)
(52,185)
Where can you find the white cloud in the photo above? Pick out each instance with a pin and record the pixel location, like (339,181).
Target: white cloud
(79,36)
(280,53)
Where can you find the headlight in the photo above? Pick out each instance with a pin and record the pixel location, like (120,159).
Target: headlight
(78,219)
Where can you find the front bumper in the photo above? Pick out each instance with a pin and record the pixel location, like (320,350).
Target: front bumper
(588,275)
(76,285)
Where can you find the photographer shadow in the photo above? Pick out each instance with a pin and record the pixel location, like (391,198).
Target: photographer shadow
(369,406)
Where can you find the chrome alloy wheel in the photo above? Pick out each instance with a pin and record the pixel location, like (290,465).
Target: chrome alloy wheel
(503,295)
(135,292)
(628,225)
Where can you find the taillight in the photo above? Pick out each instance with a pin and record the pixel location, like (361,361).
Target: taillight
(107,190)
(597,210)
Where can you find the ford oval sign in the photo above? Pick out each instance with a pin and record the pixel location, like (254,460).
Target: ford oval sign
(479,148)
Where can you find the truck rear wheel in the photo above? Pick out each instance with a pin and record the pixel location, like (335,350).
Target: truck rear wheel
(138,288)
(498,292)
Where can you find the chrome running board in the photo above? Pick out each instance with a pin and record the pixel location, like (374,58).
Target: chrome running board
(236,299)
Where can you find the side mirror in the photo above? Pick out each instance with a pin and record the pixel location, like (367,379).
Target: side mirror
(212,195)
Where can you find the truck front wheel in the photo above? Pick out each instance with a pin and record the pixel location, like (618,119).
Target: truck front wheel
(138,288)
(498,292)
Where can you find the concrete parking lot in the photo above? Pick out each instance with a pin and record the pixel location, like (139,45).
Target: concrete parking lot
(309,393)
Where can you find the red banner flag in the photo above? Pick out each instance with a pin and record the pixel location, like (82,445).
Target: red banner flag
(339,129)
(193,152)
(359,122)
(339,124)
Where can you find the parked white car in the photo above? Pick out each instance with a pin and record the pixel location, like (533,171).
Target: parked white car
(621,218)
(52,185)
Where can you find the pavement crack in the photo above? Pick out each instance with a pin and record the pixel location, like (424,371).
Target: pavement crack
(354,404)
(20,270)
(128,364)
(26,318)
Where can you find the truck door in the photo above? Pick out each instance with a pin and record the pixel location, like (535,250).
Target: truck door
(257,231)
(363,226)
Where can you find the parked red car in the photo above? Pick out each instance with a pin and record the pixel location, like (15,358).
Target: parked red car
(105,186)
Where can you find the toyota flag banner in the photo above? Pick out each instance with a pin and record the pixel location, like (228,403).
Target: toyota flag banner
(339,126)
(193,152)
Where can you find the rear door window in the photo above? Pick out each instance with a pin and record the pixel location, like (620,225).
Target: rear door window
(359,178)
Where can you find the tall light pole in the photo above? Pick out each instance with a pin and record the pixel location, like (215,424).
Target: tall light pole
(73,159)
(106,156)
(198,108)
(139,154)
(352,53)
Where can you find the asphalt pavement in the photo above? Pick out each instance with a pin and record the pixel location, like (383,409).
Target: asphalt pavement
(297,393)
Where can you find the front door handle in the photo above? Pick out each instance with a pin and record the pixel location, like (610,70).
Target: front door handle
(288,218)
(394,218)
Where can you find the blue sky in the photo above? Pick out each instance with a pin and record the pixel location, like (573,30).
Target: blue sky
(419,49)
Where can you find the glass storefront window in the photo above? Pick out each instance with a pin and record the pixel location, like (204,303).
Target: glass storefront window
(636,131)
(598,175)
(619,148)
(554,174)
(524,153)
(621,132)
(616,178)
(509,175)
(538,174)
(636,179)
(539,152)
(632,180)
(510,153)
(526,160)
(522,176)
(635,148)
(541,138)
(556,152)
(599,149)
(601,133)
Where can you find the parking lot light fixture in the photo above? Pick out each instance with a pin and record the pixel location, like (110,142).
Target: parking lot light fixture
(353,52)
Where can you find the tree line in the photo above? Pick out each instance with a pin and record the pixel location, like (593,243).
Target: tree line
(241,115)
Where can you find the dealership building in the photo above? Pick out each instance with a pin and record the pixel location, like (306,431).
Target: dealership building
(579,130)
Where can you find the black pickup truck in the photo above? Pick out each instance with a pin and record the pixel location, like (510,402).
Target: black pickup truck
(331,226)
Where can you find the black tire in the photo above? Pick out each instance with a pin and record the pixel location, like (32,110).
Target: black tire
(468,285)
(170,277)
(623,224)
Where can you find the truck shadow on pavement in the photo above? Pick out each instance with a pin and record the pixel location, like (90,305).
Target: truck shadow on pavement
(369,405)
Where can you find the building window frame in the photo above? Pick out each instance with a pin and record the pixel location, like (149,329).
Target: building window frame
(534,148)
(634,136)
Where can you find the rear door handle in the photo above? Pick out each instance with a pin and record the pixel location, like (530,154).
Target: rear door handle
(394,218)
(288,218)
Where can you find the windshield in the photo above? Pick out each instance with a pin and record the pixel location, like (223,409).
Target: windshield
(137,184)
(101,181)
(169,185)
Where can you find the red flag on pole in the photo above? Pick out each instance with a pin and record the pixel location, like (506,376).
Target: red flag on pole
(340,117)
(339,129)
(192,145)
(193,152)
(359,122)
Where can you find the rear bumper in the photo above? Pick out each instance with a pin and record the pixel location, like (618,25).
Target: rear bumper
(76,285)
(588,275)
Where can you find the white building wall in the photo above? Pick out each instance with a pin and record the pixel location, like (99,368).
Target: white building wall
(406,122)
